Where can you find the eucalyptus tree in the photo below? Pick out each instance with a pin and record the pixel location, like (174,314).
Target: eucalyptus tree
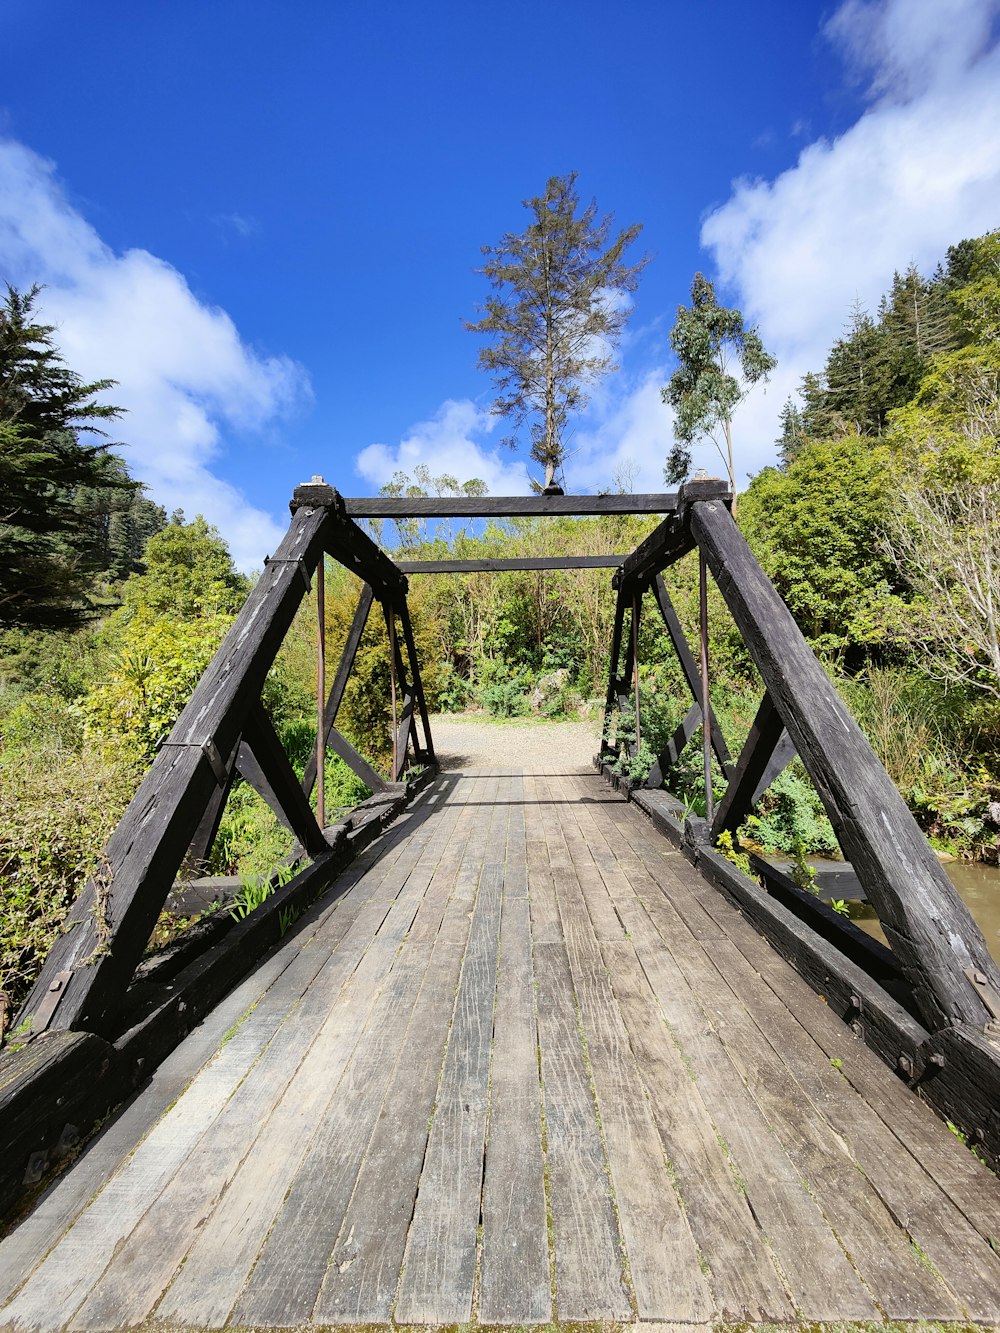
(710,343)
(554,316)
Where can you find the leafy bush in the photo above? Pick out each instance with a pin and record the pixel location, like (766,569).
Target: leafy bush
(503,691)
(56,814)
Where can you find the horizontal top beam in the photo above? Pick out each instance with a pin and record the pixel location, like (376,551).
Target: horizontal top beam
(502,566)
(506,506)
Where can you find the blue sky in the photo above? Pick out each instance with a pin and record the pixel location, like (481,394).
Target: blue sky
(264,219)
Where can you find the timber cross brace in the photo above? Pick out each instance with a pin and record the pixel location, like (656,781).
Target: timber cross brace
(929,1006)
(224,732)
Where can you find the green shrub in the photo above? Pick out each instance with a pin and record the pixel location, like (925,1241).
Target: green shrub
(56,814)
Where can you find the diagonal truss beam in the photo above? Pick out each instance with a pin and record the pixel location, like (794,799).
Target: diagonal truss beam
(110,923)
(336,695)
(932,933)
(745,784)
(263,763)
(691,672)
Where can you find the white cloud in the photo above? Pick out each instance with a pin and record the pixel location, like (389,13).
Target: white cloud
(445,445)
(918,171)
(183,372)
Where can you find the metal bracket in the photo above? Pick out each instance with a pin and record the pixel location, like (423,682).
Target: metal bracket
(211,752)
(42,1016)
(985,991)
(306,576)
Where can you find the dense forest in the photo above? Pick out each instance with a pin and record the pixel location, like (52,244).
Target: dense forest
(880,526)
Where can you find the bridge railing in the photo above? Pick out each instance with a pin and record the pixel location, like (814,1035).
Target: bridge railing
(939,1000)
(222,733)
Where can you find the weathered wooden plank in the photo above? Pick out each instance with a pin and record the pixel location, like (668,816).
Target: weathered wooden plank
(589,1282)
(439,1267)
(141,1268)
(929,928)
(66,1199)
(746,1285)
(882,1254)
(514,1283)
(509,506)
(74,1266)
(312,1211)
(362,1277)
(821,1279)
(510,566)
(911,1196)
(973,1189)
(546,928)
(219,1261)
(662,1257)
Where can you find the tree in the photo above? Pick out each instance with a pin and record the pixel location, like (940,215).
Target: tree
(48,542)
(816,529)
(793,434)
(707,340)
(555,315)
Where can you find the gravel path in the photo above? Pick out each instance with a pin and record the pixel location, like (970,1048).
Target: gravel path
(466,741)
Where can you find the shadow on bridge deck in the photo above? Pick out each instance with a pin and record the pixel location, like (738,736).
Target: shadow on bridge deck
(530,1066)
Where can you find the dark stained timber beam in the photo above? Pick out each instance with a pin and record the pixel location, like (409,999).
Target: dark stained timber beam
(111,921)
(674,747)
(348,543)
(411,651)
(670,540)
(613,678)
(765,733)
(358,764)
(929,928)
(691,671)
(510,566)
(265,765)
(506,506)
(336,695)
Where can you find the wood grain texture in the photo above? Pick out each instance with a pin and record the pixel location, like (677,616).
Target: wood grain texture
(929,928)
(530,1065)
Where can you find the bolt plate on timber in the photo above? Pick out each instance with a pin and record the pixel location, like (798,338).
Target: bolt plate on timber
(985,991)
(42,1016)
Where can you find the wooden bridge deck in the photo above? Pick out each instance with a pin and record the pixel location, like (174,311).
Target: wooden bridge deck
(529,1067)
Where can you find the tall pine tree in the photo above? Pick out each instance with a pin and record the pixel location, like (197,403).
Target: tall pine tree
(555,316)
(52,457)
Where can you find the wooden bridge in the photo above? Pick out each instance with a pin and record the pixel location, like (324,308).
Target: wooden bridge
(533,1053)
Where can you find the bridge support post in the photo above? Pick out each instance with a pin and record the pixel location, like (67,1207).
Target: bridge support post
(929,928)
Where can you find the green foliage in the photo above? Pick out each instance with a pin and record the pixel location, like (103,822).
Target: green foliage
(256,890)
(709,341)
(790,818)
(503,692)
(817,530)
(56,812)
(725,846)
(151,677)
(71,512)
(188,573)
(251,840)
(551,317)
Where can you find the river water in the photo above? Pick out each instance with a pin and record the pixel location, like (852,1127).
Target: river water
(979,888)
